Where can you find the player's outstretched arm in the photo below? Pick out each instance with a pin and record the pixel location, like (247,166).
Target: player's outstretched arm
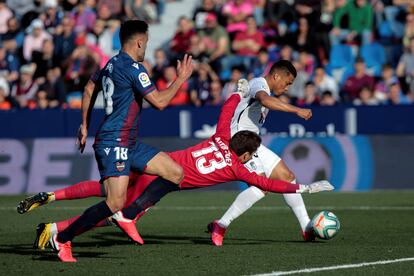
(275,104)
(280,186)
(161,99)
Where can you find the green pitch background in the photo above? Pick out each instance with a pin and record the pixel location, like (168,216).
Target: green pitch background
(375,226)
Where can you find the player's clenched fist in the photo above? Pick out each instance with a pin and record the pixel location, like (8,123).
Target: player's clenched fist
(304,113)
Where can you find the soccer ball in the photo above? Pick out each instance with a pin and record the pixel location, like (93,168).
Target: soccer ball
(325,225)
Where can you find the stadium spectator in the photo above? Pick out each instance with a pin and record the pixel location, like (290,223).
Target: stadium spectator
(200,84)
(14,37)
(54,88)
(409,30)
(25,89)
(4,102)
(322,30)
(82,64)
(304,39)
(64,39)
(139,9)
(169,76)
(83,17)
(311,97)
(9,65)
(396,96)
(261,64)
(327,99)
(324,82)
(5,15)
(44,60)
(246,45)
(358,15)
(355,82)
(405,68)
(161,62)
(114,6)
(102,36)
(181,42)
(34,40)
(215,91)
(200,14)
(381,91)
(214,42)
(366,97)
(297,89)
(236,13)
(21,8)
(4,86)
(52,15)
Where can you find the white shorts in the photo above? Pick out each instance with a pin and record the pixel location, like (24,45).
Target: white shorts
(263,161)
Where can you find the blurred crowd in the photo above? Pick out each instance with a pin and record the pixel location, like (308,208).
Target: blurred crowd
(357,52)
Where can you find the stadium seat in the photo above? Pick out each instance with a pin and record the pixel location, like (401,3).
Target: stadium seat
(374,57)
(341,62)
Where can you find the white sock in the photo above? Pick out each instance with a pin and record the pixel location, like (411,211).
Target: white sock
(53,229)
(295,202)
(243,202)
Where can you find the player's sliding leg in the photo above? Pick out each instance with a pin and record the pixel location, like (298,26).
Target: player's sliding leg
(80,190)
(126,218)
(44,231)
(241,204)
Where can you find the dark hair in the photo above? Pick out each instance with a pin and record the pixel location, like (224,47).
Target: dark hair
(284,65)
(245,141)
(130,28)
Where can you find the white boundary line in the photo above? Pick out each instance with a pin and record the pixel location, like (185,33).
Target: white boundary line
(336,267)
(258,208)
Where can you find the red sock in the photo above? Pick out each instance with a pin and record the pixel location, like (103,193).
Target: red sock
(62,225)
(80,190)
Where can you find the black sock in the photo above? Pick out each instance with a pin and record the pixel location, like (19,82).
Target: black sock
(158,188)
(85,222)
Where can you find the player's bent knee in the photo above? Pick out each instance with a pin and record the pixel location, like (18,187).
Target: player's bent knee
(177,174)
(116,204)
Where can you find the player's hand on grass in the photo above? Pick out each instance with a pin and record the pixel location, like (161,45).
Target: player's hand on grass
(81,140)
(304,113)
(185,67)
(316,187)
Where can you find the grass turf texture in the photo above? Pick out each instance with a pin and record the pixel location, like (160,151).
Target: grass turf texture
(261,241)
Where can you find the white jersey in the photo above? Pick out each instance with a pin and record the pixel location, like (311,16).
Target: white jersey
(250,114)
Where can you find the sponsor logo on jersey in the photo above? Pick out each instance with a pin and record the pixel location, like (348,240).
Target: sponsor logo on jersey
(120,166)
(107,150)
(144,79)
(136,65)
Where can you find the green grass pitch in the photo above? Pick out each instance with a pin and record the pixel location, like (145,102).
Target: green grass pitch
(375,226)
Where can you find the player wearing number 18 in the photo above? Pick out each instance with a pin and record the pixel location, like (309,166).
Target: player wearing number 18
(125,83)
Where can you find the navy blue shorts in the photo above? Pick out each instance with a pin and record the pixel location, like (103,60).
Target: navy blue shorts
(112,160)
(142,154)
(117,161)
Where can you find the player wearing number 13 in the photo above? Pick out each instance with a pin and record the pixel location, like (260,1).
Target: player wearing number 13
(125,83)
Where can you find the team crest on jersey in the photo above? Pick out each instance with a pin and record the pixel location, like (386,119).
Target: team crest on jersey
(110,67)
(144,79)
(120,166)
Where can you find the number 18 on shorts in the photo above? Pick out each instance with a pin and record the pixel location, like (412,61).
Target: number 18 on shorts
(112,161)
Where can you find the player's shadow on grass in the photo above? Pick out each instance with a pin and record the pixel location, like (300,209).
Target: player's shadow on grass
(44,255)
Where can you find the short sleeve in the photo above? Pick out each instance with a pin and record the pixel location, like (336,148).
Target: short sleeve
(142,82)
(258,84)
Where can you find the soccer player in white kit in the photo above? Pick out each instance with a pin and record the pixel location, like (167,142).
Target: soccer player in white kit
(250,115)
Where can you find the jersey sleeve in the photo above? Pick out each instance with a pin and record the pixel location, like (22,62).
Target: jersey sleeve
(141,80)
(226,115)
(256,85)
(264,183)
